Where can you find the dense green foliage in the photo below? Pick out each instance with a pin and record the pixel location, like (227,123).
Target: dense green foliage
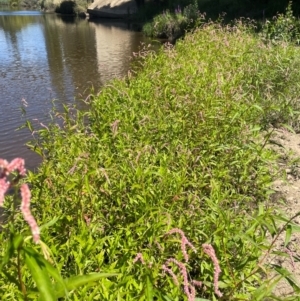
(257,9)
(34,4)
(62,7)
(179,145)
(174,23)
(283,27)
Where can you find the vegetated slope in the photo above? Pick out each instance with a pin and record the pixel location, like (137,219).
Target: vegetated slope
(176,146)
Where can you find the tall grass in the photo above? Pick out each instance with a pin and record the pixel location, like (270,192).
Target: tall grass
(168,183)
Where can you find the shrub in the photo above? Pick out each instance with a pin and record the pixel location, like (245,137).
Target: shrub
(166,25)
(191,13)
(283,27)
(174,25)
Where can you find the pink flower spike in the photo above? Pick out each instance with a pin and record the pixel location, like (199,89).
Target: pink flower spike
(3,163)
(3,168)
(4,185)
(184,242)
(186,286)
(171,273)
(17,164)
(139,257)
(197,283)
(209,250)
(25,208)
(192,293)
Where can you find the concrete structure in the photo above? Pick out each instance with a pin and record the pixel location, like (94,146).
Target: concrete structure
(112,8)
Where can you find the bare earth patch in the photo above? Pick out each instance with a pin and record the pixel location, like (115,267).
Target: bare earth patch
(286,196)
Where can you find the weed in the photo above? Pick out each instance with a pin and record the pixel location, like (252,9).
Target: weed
(177,146)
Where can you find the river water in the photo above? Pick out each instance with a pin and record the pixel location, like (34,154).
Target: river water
(44,57)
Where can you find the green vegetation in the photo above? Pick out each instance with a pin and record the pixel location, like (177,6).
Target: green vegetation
(3,2)
(283,27)
(64,7)
(181,146)
(21,3)
(258,9)
(173,23)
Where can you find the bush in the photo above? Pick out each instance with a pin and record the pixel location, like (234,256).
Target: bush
(191,13)
(283,27)
(166,25)
(173,25)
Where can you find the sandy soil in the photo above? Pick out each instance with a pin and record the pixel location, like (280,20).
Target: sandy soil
(286,198)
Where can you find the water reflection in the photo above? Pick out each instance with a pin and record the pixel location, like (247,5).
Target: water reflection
(113,38)
(44,57)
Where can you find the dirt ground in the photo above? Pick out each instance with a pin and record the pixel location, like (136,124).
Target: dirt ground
(286,198)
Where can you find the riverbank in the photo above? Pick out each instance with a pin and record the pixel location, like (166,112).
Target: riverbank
(169,183)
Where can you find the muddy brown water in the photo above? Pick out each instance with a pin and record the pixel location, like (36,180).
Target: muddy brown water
(45,57)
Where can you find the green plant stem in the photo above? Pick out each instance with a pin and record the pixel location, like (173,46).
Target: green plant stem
(22,286)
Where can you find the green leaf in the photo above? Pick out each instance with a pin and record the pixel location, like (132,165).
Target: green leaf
(39,272)
(265,289)
(149,290)
(288,235)
(49,224)
(11,278)
(295,228)
(29,125)
(53,272)
(15,241)
(288,276)
(259,108)
(77,281)
(289,128)
(87,184)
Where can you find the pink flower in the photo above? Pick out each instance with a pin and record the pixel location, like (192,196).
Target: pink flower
(4,185)
(184,242)
(6,168)
(139,257)
(28,217)
(171,273)
(209,250)
(187,287)
(17,164)
(3,168)
(197,283)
